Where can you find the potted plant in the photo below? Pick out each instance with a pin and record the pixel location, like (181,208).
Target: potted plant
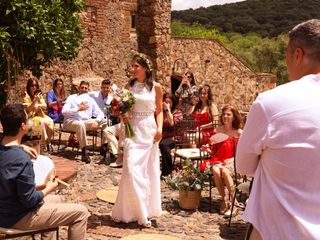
(189,181)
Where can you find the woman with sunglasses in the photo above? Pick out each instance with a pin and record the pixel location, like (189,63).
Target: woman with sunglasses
(186,90)
(39,123)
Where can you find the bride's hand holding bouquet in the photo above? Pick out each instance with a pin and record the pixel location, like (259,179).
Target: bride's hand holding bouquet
(122,102)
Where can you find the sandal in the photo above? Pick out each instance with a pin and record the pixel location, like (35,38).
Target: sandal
(234,212)
(224,206)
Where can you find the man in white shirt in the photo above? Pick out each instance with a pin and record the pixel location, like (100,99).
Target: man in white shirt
(280,146)
(103,98)
(81,113)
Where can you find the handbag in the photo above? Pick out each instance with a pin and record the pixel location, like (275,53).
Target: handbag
(73,141)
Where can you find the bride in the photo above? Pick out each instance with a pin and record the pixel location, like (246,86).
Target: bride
(139,191)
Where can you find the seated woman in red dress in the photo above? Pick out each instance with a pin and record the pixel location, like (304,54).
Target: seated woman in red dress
(222,153)
(204,112)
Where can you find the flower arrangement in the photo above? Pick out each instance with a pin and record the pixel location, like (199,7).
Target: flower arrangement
(189,178)
(121,103)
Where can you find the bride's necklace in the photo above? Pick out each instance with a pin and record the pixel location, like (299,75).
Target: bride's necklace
(140,86)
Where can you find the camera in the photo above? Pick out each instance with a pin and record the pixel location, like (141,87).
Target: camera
(38,92)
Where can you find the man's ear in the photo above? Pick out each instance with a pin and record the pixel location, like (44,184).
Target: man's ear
(24,126)
(298,56)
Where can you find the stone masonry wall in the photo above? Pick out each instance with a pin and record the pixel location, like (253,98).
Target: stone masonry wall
(106,49)
(110,41)
(154,34)
(231,81)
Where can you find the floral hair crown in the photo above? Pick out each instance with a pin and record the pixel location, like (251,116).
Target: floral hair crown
(146,60)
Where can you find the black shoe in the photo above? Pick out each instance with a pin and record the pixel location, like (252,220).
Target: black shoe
(103,149)
(49,148)
(105,160)
(85,156)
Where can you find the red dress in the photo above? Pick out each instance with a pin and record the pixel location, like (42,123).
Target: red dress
(201,119)
(221,151)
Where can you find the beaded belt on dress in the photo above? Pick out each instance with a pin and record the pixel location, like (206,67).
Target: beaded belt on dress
(142,114)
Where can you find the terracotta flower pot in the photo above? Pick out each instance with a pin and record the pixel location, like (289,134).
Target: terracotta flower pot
(189,200)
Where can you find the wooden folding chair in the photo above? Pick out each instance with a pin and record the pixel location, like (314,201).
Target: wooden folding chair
(9,233)
(93,133)
(240,188)
(187,141)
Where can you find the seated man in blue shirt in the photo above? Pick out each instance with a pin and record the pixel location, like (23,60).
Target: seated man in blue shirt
(22,206)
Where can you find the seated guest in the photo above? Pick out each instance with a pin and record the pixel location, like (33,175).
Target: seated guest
(81,113)
(171,117)
(22,205)
(103,98)
(186,90)
(55,99)
(112,134)
(34,104)
(222,154)
(204,112)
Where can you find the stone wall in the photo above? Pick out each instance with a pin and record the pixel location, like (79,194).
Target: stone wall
(232,82)
(154,34)
(109,42)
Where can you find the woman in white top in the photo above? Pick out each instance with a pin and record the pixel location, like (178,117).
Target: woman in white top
(139,191)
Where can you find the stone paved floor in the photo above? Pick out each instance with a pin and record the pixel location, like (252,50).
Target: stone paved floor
(188,225)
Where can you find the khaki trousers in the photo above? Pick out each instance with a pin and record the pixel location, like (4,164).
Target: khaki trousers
(53,214)
(110,135)
(80,128)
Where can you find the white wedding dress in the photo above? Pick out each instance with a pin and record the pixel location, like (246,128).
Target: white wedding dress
(139,191)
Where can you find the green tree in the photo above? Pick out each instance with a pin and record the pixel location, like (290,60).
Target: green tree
(196,30)
(34,32)
(262,54)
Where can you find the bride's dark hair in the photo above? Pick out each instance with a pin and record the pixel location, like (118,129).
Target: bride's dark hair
(144,61)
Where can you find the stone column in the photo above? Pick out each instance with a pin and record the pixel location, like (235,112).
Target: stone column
(154,35)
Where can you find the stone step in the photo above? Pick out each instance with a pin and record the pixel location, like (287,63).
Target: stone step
(65,169)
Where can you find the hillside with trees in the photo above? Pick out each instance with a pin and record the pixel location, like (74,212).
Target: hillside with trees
(268,18)
(261,54)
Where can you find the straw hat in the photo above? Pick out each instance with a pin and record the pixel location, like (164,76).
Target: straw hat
(108,194)
(150,237)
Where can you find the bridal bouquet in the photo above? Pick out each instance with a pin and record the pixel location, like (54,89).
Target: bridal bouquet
(121,103)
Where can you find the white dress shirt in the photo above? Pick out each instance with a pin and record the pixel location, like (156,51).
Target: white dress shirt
(280,147)
(101,101)
(70,108)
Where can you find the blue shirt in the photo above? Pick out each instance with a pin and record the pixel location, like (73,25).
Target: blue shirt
(18,194)
(55,111)
(102,102)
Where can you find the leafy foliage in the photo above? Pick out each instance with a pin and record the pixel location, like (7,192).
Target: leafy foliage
(189,178)
(34,32)
(197,30)
(262,54)
(268,18)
